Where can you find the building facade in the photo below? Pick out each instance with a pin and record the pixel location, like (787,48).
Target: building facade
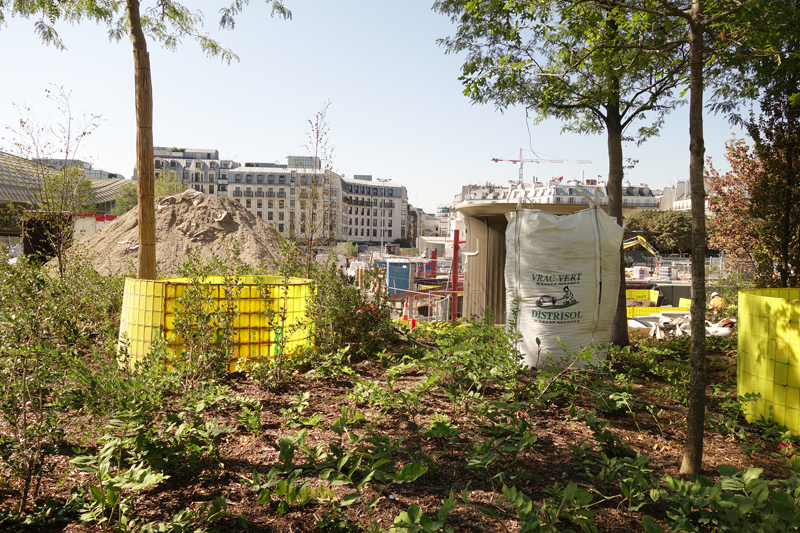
(374,211)
(299,198)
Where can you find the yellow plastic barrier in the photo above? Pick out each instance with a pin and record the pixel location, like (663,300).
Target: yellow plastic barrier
(642,294)
(644,311)
(149,309)
(769,354)
(685,302)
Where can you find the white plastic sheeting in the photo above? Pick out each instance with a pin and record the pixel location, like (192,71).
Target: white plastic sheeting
(563,274)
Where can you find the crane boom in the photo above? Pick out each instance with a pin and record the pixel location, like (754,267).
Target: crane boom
(521,161)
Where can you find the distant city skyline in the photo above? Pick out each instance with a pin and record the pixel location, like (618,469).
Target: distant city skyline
(396,106)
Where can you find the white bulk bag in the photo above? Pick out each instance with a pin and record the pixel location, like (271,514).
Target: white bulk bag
(563,273)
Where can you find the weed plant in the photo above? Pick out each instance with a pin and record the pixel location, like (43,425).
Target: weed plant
(204,319)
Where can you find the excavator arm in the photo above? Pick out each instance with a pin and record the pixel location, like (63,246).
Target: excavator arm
(639,240)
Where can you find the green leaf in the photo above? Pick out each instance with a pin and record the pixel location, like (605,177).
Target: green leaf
(650,525)
(264,497)
(570,490)
(409,472)
(349,499)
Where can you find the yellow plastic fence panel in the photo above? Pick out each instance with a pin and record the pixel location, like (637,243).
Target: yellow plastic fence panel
(644,311)
(769,354)
(149,310)
(642,294)
(685,302)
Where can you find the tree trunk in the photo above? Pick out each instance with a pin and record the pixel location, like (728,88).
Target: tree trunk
(618,335)
(693,450)
(144,145)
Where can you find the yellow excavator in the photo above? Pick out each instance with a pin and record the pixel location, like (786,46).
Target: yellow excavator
(641,241)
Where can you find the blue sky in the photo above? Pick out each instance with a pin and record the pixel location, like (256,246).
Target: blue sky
(396,106)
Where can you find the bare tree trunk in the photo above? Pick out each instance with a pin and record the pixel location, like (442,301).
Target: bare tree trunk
(618,334)
(144,145)
(693,450)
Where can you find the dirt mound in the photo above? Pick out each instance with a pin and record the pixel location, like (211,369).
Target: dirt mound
(190,220)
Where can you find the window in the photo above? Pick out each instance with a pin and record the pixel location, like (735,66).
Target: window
(223,176)
(260,178)
(282,204)
(198,164)
(389,192)
(367,222)
(259,214)
(172,164)
(350,232)
(213,164)
(238,178)
(271,179)
(390,233)
(362,210)
(362,232)
(270,203)
(248,203)
(211,177)
(291,202)
(374,212)
(374,233)
(351,210)
(374,221)
(390,223)
(280,228)
(280,215)
(249,178)
(210,189)
(269,215)
(259,203)
(390,213)
(282,180)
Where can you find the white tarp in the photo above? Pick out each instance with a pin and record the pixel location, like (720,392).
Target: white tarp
(563,273)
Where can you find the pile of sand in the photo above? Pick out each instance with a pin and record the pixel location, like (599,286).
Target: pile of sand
(212,224)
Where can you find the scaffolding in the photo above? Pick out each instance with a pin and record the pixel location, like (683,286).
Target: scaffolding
(443,214)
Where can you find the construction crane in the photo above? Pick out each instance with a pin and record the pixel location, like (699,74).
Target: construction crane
(521,161)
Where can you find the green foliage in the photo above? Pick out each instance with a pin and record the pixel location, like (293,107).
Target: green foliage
(346,315)
(167,183)
(775,192)
(276,311)
(739,501)
(413,520)
(472,358)
(250,415)
(204,319)
(107,501)
(350,249)
(671,230)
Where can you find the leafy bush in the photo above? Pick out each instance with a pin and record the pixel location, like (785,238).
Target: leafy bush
(346,315)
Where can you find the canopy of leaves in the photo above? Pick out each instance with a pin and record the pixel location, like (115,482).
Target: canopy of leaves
(671,231)
(572,61)
(775,192)
(165,22)
(167,184)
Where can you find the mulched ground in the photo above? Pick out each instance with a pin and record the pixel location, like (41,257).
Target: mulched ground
(243,453)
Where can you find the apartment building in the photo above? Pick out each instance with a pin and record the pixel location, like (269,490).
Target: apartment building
(374,211)
(299,197)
